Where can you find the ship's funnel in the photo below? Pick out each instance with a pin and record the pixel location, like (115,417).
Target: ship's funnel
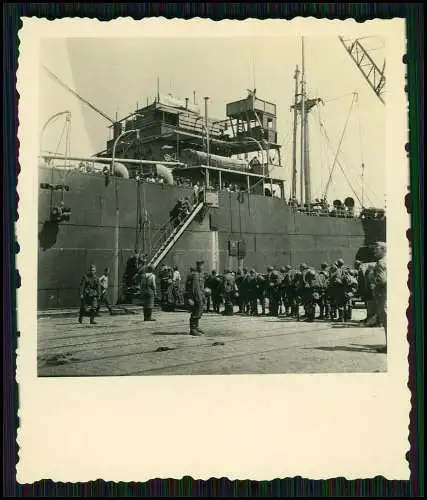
(164,172)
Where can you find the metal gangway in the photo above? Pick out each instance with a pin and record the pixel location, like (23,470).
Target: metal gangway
(174,236)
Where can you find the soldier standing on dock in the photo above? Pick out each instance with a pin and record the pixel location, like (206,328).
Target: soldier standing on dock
(228,290)
(196,300)
(148,291)
(90,292)
(323,280)
(104,299)
(380,290)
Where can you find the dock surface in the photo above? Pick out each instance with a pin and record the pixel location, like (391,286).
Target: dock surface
(126,345)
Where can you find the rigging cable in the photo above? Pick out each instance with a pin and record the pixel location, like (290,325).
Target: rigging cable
(323,130)
(339,146)
(322,150)
(362,162)
(338,97)
(138,214)
(55,198)
(356,173)
(366,187)
(343,171)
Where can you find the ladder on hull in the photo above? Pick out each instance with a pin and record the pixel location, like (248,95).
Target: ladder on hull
(174,236)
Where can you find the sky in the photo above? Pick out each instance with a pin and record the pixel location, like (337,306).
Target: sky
(117,74)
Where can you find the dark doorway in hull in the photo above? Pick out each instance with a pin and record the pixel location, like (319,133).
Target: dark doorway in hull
(48,234)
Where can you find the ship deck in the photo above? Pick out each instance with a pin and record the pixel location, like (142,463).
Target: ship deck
(123,345)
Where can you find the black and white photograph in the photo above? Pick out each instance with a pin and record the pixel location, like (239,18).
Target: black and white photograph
(215,200)
(211,208)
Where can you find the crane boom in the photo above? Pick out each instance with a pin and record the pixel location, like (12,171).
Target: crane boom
(52,75)
(367,66)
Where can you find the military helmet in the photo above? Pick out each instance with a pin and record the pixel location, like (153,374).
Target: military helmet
(311,272)
(288,267)
(340,262)
(303,266)
(283,269)
(270,268)
(252,271)
(324,265)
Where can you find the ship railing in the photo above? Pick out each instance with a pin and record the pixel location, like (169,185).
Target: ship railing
(161,235)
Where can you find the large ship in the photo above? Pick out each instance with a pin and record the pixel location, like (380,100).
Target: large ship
(123,201)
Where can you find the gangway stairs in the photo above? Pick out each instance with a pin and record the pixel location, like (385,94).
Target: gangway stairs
(174,236)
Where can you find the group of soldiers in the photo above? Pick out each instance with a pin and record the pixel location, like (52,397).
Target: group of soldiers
(294,292)
(181,210)
(94,293)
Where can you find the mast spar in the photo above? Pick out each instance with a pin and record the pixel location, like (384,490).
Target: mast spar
(303,106)
(294,149)
(303,137)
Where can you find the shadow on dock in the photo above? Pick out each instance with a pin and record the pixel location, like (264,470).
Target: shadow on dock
(352,348)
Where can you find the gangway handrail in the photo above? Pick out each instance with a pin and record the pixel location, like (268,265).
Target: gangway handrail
(173,237)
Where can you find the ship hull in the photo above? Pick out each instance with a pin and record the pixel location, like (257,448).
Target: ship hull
(272,232)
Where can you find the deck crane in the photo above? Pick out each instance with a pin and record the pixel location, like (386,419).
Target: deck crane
(367,66)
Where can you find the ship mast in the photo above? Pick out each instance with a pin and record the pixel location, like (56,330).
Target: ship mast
(304,106)
(303,137)
(294,149)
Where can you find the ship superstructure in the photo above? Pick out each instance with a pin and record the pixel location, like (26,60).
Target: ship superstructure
(122,200)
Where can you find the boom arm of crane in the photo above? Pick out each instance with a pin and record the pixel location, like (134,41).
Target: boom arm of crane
(367,66)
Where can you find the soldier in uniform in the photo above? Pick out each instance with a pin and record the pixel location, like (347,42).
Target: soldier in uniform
(282,271)
(104,298)
(210,283)
(196,300)
(132,266)
(275,292)
(90,291)
(311,295)
(361,282)
(252,290)
(239,284)
(331,292)
(176,278)
(148,292)
(188,285)
(215,286)
(338,288)
(299,286)
(323,282)
(166,288)
(267,281)
(380,290)
(243,291)
(350,289)
(262,281)
(228,291)
(371,308)
(287,289)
